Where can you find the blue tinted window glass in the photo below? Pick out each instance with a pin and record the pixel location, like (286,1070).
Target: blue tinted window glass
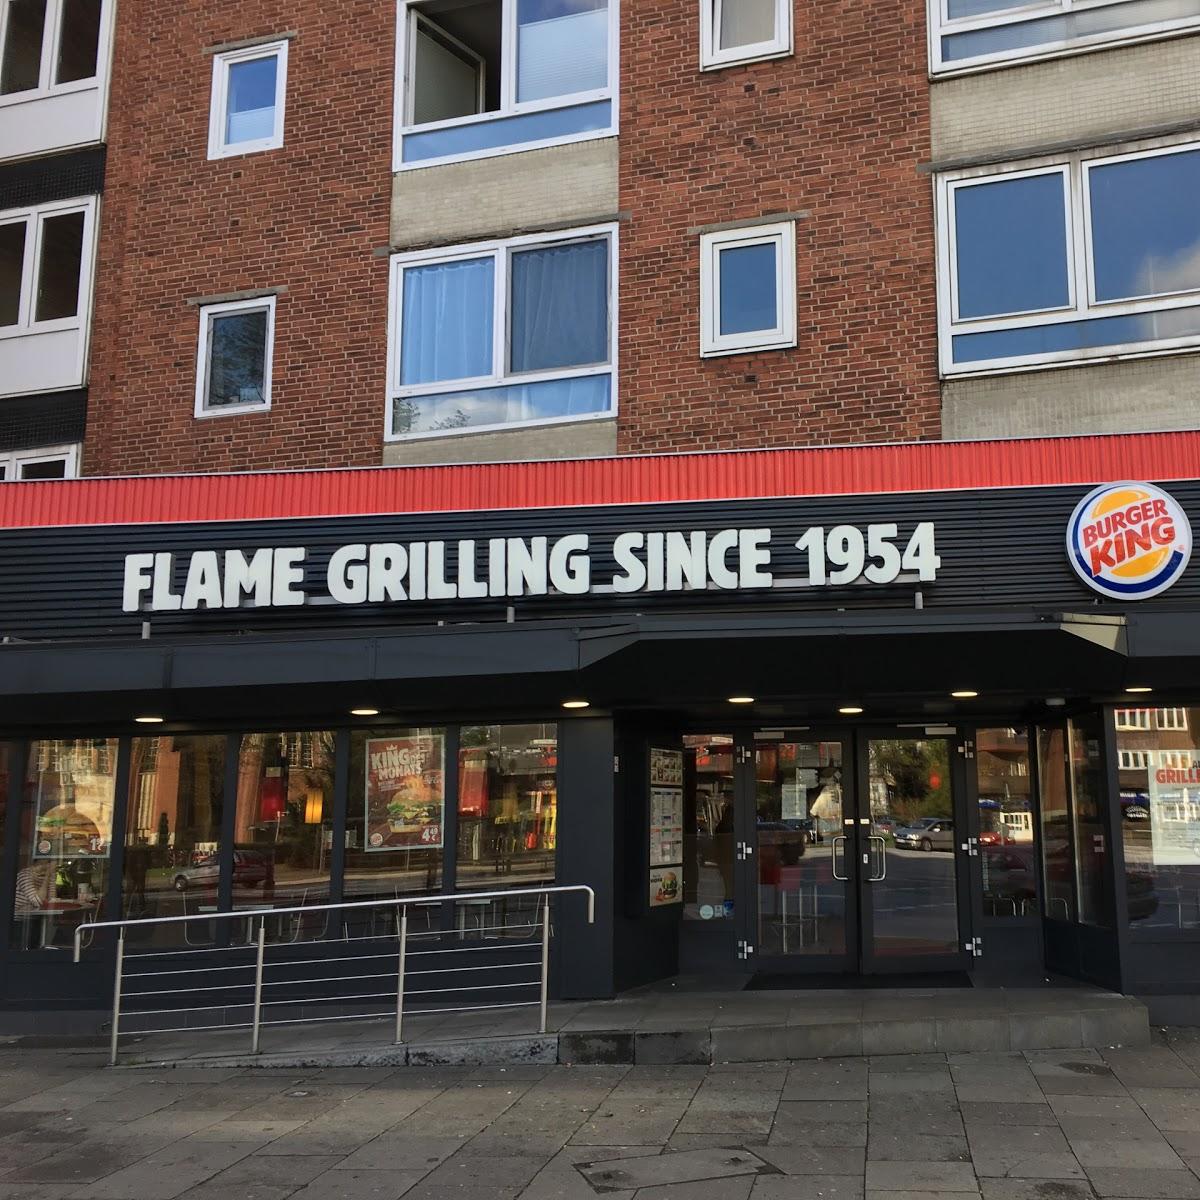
(958,9)
(560,306)
(1069,27)
(496,133)
(1146,225)
(447,321)
(748,288)
(250,112)
(503,405)
(1011,238)
(1077,335)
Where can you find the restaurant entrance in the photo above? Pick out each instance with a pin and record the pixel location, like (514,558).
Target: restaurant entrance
(846,853)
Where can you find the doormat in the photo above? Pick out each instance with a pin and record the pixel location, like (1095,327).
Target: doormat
(778,982)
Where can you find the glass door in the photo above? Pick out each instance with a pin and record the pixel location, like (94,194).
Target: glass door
(798,857)
(913,861)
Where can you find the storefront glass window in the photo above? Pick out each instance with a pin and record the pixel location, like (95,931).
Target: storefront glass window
(507,805)
(1006,823)
(6,753)
(1158,766)
(283,831)
(1057,857)
(1088,793)
(173,832)
(395,819)
(65,840)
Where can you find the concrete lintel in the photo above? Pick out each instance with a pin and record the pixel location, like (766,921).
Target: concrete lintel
(766,219)
(245,43)
(511,231)
(231,297)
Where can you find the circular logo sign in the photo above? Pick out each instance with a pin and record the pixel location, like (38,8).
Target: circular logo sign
(1129,541)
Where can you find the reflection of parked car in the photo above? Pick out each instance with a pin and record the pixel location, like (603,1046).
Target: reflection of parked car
(929,833)
(807,826)
(249,870)
(885,824)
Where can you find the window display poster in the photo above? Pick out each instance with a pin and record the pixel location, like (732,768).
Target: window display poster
(405,792)
(1174,819)
(664,886)
(666,768)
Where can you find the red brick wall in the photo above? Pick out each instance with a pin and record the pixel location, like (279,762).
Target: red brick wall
(307,216)
(836,130)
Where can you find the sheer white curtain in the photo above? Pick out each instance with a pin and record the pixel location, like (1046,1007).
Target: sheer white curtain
(447,321)
(745,22)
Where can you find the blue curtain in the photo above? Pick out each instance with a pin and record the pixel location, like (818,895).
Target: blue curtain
(560,306)
(447,321)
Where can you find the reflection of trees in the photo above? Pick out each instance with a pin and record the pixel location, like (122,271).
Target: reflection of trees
(238,353)
(908,768)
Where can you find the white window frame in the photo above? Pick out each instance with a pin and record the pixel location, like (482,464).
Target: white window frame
(713,58)
(219,103)
(1175,760)
(1133,718)
(501,252)
(1171,718)
(1075,169)
(51,34)
(941,25)
(34,219)
(713,343)
(1133,760)
(208,313)
(406,19)
(12,462)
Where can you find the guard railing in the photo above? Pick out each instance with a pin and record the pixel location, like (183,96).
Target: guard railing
(249,983)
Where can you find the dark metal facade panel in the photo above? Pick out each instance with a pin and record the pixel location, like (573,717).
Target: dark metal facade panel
(27,422)
(60,177)
(657,479)
(998,549)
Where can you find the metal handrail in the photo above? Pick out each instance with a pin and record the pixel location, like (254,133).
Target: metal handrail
(248,914)
(402,903)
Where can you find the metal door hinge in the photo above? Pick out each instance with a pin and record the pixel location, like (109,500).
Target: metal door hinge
(744,851)
(967,749)
(974,946)
(616,764)
(744,754)
(744,950)
(971,846)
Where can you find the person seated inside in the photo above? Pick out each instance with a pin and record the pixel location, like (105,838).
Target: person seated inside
(33,895)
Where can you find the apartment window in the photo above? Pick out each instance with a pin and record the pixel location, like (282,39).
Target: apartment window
(1084,257)
(748,289)
(234,359)
(499,334)
(736,31)
(48,45)
(53,462)
(976,33)
(1133,718)
(1171,718)
(45,265)
(484,77)
(1133,760)
(248,89)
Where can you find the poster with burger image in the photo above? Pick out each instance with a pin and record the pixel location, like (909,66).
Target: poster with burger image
(664,886)
(405,793)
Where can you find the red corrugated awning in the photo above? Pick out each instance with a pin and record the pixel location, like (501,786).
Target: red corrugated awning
(650,479)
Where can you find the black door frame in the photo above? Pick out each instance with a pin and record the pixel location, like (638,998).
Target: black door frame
(856,829)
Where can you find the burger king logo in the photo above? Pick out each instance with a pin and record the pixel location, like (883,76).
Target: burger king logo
(1129,541)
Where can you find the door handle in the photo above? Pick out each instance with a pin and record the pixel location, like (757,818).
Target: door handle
(833,853)
(882,859)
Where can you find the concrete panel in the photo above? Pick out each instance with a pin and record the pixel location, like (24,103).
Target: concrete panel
(51,123)
(41,362)
(589,439)
(1137,396)
(494,197)
(1090,95)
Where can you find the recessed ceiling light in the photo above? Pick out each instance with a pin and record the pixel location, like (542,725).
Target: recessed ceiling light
(577,704)
(741,699)
(964,694)
(850,710)
(1135,691)
(148,720)
(364,712)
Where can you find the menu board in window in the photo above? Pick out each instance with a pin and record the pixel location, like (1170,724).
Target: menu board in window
(666,826)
